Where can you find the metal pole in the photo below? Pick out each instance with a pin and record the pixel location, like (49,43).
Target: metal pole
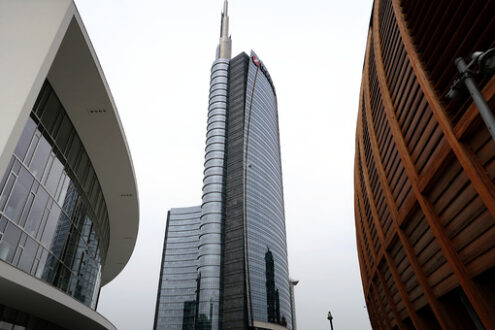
(330,318)
(478,98)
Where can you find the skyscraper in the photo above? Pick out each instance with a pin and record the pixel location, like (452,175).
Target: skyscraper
(242,272)
(424,169)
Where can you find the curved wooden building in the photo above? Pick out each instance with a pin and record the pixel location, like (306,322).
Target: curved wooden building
(425,169)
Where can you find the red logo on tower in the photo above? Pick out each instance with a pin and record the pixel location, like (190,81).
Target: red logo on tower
(256,61)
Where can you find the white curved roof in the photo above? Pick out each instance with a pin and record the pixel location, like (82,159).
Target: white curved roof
(47,40)
(78,81)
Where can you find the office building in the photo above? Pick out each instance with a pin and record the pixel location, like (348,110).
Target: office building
(179,272)
(424,169)
(68,198)
(242,272)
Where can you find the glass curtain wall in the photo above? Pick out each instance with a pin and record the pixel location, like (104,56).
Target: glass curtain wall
(267,249)
(177,293)
(53,217)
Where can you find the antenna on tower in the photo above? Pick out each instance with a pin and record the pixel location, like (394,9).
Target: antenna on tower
(224,49)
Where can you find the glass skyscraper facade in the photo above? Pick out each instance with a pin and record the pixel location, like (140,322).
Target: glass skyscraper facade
(179,270)
(264,211)
(241,281)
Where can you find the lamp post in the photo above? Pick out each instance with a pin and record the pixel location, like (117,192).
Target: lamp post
(330,318)
(485,61)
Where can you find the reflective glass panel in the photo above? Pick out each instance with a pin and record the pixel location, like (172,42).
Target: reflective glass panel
(51,225)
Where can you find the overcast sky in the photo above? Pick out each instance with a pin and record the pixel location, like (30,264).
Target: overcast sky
(157,54)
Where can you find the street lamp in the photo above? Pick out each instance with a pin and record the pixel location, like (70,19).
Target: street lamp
(330,318)
(485,61)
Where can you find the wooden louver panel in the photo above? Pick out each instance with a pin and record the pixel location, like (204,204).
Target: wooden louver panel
(425,169)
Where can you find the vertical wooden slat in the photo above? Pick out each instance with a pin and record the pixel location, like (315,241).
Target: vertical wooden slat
(375,320)
(359,247)
(453,259)
(390,299)
(359,206)
(360,230)
(381,307)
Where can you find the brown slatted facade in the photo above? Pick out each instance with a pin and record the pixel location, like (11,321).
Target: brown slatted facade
(425,169)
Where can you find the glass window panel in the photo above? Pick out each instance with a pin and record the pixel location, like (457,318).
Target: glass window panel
(63,190)
(58,121)
(36,215)
(79,215)
(94,194)
(35,266)
(90,180)
(6,174)
(64,133)
(32,148)
(52,110)
(20,248)
(74,151)
(48,168)
(53,176)
(3,224)
(6,192)
(86,229)
(16,201)
(70,199)
(50,227)
(49,270)
(60,235)
(25,140)
(16,167)
(40,158)
(69,144)
(39,106)
(70,249)
(63,278)
(9,242)
(42,263)
(26,209)
(82,168)
(28,254)
(25,178)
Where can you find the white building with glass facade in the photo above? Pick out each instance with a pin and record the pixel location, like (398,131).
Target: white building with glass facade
(68,198)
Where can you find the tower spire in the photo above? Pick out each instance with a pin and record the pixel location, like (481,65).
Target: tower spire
(224,49)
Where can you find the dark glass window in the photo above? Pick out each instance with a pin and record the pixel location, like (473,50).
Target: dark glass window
(63,134)
(25,140)
(11,319)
